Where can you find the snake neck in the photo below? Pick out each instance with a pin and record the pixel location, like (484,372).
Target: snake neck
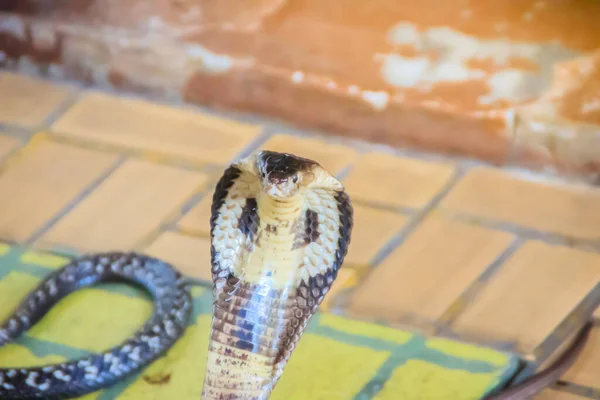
(279,211)
(250,322)
(274,260)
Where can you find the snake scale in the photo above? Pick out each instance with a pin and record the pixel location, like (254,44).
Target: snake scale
(280,228)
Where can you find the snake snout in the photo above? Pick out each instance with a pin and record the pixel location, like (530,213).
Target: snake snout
(280,186)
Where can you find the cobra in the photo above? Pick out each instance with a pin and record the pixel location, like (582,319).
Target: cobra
(280,229)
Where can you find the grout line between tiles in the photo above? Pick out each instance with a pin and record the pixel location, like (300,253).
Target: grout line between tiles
(177,161)
(576,389)
(169,222)
(399,238)
(416,220)
(524,232)
(74,202)
(48,121)
(470,294)
(11,153)
(172,223)
(253,146)
(344,172)
(15,131)
(62,109)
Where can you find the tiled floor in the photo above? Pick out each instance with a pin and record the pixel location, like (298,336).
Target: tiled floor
(499,257)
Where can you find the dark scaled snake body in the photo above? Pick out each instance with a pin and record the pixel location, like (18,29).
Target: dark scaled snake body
(280,229)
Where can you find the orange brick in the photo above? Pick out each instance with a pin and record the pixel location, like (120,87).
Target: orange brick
(133,202)
(197,220)
(332,157)
(496,195)
(28,102)
(373,228)
(396,181)
(585,370)
(141,125)
(7,144)
(188,254)
(42,180)
(429,271)
(531,294)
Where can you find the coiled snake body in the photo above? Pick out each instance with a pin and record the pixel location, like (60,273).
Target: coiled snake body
(280,229)
(75,378)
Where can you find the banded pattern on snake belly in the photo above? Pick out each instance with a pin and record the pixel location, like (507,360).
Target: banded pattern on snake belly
(280,229)
(172,308)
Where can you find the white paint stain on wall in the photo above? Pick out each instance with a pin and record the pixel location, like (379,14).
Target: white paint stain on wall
(511,85)
(454,49)
(378,100)
(210,61)
(404,72)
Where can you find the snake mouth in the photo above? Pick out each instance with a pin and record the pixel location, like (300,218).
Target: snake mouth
(280,191)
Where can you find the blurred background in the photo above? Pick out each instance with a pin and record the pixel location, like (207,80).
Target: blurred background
(466,132)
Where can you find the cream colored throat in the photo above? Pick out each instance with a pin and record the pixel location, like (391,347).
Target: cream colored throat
(274,260)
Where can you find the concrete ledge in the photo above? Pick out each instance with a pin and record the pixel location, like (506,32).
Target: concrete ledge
(506,83)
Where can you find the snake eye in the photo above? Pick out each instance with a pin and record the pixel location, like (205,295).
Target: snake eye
(295,179)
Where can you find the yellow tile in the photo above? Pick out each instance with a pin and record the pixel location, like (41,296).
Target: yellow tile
(334,376)
(585,370)
(182,368)
(333,157)
(28,102)
(15,355)
(418,379)
(7,144)
(396,181)
(491,193)
(197,220)
(141,125)
(373,228)
(188,254)
(361,328)
(531,294)
(4,248)
(92,396)
(429,270)
(43,180)
(44,259)
(93,319)
(125,208)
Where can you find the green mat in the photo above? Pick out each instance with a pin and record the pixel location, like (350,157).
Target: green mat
(337,358)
